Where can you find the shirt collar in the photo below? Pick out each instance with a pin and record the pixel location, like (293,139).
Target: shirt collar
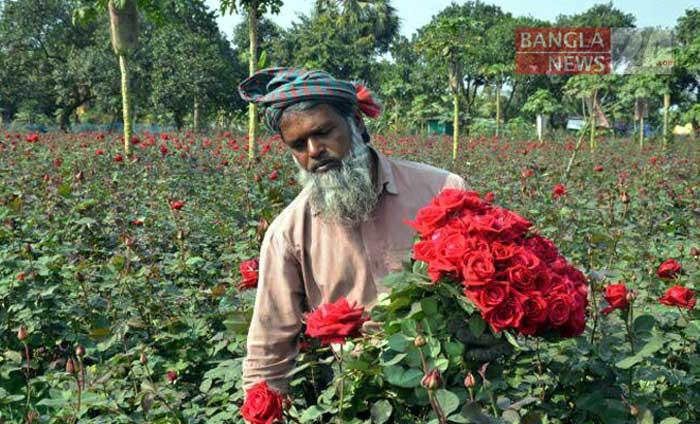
(384,172)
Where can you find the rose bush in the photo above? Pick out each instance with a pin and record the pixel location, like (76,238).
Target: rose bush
(168,301)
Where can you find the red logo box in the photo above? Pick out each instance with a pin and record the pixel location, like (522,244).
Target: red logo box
(558,51)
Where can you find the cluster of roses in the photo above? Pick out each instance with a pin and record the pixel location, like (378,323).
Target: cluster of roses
(517,281)
(619,296)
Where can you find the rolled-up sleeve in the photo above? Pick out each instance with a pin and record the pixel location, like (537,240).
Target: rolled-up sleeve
(455,181)
(272,343)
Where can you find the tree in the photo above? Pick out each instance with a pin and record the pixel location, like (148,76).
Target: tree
(254,9)
(541,103)
(49,65)
(590,88)
(639,89)
(451,41)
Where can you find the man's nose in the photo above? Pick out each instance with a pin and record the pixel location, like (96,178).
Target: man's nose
(316,148)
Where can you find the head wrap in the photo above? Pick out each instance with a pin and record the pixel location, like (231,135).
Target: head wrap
(277,88)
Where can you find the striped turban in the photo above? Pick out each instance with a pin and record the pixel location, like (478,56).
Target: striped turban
(277,88)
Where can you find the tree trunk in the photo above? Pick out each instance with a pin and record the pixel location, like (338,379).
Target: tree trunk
(252,109)
(592,112)
(667,105)
(540,126)
(195,117)
(455,125)
(126,103)
(498,108)
(64,120)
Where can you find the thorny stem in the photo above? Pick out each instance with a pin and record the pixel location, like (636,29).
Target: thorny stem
(161,397)
(29,387)
(433,402)
(342,388)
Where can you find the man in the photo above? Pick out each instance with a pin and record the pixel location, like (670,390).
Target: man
(344,231)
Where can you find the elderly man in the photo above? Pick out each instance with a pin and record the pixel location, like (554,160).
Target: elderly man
(344,231)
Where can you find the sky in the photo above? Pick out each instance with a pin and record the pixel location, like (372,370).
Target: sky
(413,14)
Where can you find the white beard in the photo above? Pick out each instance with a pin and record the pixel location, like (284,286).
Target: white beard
(346,194)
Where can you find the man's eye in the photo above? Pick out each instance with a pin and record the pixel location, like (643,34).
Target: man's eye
(298,145)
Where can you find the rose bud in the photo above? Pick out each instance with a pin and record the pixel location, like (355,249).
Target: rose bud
(22,332)
(79,176)
(631,295)
(172,376)
(432,380)
(143,359)
(70,366)
(419,341)
(80,351)
(28,248)
(624,197)
(469,381)
(694,252)
(31,416)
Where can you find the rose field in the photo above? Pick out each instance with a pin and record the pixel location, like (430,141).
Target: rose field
(127,287)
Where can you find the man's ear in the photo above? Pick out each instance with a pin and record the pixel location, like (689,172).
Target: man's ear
(361,127)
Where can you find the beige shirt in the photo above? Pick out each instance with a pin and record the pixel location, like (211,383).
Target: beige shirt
(304,259)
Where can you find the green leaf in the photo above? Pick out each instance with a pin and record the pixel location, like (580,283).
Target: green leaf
(399,342)
(671,420)
(381,411)
(64,189)
(401,377)
(477,325)
(511,339)
(447,400)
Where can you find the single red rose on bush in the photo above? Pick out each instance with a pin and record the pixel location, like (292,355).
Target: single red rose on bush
(249,272)
(668,269)
(682,297)
(99,152)
(262,405)
(558,191)
(598,168)
(273,175)
(616,296)
(334,322)
(118,157)
(177,204)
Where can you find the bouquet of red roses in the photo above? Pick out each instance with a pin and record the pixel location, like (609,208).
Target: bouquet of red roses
(517,280)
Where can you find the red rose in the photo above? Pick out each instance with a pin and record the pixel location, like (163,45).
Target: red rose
(249,272)
(598,168)
(560,306)
(508,314)
(478,267)
(118,157)
(542,247)
(273,175)
(489,197)
(428,219)
(451,199)
(424,251)
(527,173)
(98,152)
(616,295)
(334,322)
(679,296)
(177,204)
(535,310)
(522,278)
(558,191)
(492,295)
(262,405)
(172,376)
(668,269)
